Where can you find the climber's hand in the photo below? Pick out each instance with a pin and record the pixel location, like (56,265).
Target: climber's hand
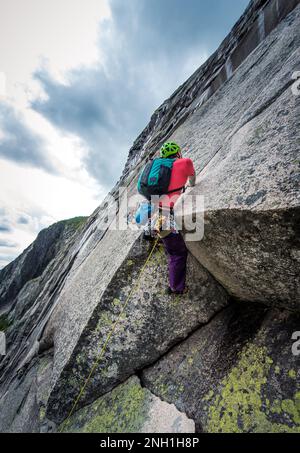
(192,181)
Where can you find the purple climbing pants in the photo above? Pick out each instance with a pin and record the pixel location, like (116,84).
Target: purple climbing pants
(177,255)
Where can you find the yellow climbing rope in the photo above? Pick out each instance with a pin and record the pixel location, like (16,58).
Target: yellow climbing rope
(103,349)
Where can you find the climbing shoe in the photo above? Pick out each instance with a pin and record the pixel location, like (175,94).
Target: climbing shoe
(169,292)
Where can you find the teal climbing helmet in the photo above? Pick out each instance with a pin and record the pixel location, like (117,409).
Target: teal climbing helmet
(169,149)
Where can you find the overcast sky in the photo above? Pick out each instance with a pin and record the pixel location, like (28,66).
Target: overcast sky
(79,80)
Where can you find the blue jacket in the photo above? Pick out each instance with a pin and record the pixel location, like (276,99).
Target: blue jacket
(143,213)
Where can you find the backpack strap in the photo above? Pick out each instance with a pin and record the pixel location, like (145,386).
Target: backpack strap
(176,190)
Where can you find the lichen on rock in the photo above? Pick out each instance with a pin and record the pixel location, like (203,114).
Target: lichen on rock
(241,405)
(128,408)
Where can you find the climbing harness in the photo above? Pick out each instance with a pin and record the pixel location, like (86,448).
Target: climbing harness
(164,223)
(103,349)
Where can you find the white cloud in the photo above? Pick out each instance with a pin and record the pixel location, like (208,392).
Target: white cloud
(63,32)
(2,85)
(33,189)
(42,199)
(61,35)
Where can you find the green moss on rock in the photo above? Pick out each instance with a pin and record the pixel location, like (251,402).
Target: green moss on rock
(75,222)
(240,406)
(292,374)
(123,410)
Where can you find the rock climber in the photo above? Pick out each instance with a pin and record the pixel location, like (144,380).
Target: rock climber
(167,177)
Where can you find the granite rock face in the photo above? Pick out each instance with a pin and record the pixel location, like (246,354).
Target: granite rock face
(85,301)
(249,135)
(26,315)
(34,260)
(149,323)
(129,408)
(257,22)
(237,374)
